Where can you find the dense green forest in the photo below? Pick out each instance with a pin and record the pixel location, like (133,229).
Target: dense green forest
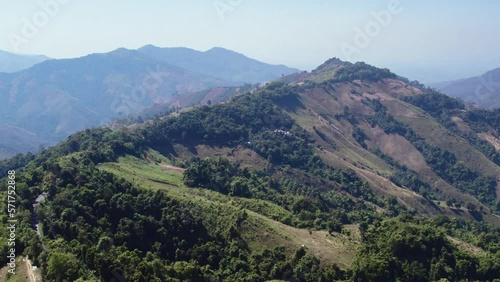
(413,249)
(205,225)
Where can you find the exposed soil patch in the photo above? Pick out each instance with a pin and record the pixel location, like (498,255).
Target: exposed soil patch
(246,157)
(490,138)
(462,126)
(398,148)
(466,246)
(330,249)
(171,168)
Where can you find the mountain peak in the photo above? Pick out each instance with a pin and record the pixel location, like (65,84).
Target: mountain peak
(219,51)
(330,64)
(218,62)
(149,46)
(122,50)
(336,69)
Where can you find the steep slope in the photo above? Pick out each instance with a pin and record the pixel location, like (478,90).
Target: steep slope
(10,62)
(344,168)
(346,118)
(204,97)
(219,62)
(56,98)
(482,90)
(49,101)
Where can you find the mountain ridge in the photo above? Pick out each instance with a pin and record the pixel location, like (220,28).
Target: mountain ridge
(12,62)
(348,174)
(58,97)
(483,90)
(222,61)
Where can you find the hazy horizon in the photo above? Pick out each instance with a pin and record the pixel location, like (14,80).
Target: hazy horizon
(421,40)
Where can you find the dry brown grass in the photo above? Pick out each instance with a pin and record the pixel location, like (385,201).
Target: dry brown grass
(244,156)
(466,246)
(495,142)
(330,249)
(398,148)
(462,126)
(23,272)
(171,168)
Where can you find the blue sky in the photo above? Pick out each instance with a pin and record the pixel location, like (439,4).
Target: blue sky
(426,40)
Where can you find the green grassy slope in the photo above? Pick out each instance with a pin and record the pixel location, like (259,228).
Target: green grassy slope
(261,231)
(340,174)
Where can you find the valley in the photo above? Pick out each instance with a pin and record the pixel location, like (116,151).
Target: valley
(311,177)
(48,101)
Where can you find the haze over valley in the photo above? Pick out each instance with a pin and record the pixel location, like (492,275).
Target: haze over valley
(250,141)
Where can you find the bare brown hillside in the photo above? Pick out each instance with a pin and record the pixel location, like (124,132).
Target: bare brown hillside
(333,111)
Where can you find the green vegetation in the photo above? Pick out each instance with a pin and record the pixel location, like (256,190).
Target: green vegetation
(147,235)
(335,70)
(405,177)
(359,135)
(412,249)
(307,206)
(285,147)
(230,123)
(443,108)
(480,120)
(363,71)
(442,161)
(116,202)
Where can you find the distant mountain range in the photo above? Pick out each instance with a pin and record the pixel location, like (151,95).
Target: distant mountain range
(219,62)
(345,173)
(10,62)
(484,90)
(47,102)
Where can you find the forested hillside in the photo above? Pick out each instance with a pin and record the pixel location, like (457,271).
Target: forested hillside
(347,173)
(47,102)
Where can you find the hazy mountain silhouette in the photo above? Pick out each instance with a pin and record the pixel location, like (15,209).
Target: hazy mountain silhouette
(219,62)
(52,99)
(482,90)
(10,62)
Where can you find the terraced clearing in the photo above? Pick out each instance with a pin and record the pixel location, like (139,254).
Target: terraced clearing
(23,272)
(260,230)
